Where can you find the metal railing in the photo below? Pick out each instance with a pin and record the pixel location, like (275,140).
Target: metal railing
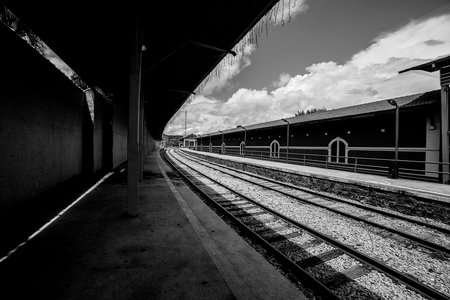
(410,169)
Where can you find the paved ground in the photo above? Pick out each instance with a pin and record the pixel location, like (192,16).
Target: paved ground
(431,190)
(176,249)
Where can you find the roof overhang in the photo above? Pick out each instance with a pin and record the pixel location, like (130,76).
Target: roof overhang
(431,66)
(185,40)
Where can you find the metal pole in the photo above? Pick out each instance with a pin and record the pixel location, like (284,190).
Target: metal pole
(287,138)
(141,137)
(245,140)
(134,122)
(185,122)
(444,133)
(397,116)
(245,136)
(221,145)
(287,143)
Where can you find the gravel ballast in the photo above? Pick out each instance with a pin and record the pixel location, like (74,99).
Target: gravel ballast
(430,268)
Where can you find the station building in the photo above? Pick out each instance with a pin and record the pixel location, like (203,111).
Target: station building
(170,140)
(189,141)
(360,136)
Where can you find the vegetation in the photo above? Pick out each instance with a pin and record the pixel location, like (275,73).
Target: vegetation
(303,112)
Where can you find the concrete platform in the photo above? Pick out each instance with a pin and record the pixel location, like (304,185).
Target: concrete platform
(177,248)
(427,190)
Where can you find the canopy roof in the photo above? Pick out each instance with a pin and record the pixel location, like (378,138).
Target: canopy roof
(94,40)
(431,66)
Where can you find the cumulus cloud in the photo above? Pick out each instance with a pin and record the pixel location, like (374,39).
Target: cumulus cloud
(371,74)
(282,80)
(433,42)
(287,9)
(242,60)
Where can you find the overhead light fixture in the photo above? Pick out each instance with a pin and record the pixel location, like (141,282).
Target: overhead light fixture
(392,102)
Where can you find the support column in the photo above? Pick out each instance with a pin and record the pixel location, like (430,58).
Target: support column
(397,123)
(287,141)
(141,138)
(287,138)
(134,122)
(444,133)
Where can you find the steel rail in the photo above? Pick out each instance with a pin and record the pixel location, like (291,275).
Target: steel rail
(409,281)
(306,190)
(305,277)
(424,243)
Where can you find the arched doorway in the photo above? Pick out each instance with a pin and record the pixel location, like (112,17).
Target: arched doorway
(338,150)
(242,148)
(275,149)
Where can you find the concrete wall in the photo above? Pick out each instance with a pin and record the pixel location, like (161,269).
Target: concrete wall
(103,135)
(119,133)
(98,140)
(42,120)
(47,136)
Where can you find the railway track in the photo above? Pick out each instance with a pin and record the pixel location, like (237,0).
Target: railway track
(332,268)
(287,190)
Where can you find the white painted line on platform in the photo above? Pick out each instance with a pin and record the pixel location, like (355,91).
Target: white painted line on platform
(56,217)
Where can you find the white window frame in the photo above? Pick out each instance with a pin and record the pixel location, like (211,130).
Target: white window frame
(241,148)
(275,155)
(337,140)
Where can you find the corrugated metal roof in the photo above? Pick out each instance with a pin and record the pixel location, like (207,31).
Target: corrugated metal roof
(431,66)
(232,130)
(349,111)
(367,108)
(266,124)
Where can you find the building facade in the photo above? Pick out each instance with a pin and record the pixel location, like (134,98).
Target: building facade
(360,136)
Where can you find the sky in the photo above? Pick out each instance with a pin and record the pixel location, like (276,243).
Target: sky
(331,54)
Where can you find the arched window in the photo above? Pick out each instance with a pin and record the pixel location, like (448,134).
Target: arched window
(210,147)
(338,151)
(223,148)
(242,148)
(275,149)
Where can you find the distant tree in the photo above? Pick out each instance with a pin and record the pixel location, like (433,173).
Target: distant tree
(303,112)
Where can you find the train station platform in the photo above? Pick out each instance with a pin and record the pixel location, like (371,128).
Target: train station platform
(427,190)
(177,248)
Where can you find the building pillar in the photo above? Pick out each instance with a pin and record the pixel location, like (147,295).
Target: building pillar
(287,141)
(141,138)
(444,133)
(134,122)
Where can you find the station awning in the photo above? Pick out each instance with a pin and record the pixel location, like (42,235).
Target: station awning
(185,40)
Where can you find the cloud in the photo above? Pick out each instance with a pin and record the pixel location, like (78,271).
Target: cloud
(287,9)
(282,80)
(370,75)
(433,42)
(241,61)
(408,42)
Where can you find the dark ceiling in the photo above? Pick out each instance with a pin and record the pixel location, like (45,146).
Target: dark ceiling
(94,40)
